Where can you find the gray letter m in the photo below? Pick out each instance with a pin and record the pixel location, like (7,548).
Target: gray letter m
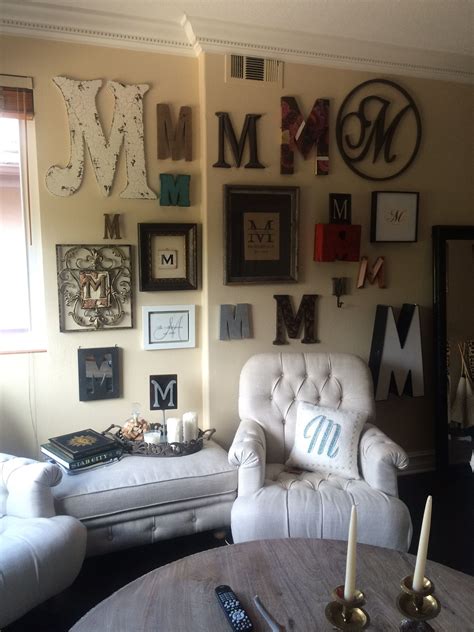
(235,322)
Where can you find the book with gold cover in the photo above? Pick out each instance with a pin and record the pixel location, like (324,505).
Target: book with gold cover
(83,443)
(53,453)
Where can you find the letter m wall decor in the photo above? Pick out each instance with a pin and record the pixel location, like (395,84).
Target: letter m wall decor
(287,319)
(163,392)
(396,359)
(301,135)
(85,129)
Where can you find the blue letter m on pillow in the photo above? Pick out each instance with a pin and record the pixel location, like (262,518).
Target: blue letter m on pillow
(327,425)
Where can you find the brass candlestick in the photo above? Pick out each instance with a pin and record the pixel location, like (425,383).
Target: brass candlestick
(417,605)
(346,614)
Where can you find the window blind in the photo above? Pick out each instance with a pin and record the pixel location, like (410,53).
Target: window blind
(16,97)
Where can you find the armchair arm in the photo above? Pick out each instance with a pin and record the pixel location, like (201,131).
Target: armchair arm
(28,486)
(248,453)
(380,457)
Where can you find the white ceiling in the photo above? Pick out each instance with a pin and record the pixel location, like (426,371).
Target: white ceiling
(433,38)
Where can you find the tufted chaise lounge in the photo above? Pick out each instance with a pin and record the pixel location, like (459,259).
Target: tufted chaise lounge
(274,502)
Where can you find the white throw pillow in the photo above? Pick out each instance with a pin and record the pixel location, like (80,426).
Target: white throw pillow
(327,440)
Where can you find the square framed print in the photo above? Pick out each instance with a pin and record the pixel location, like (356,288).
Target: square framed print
(99,373)
(167,256)
(394,216)
(261,234)
(94,287)
(169,327)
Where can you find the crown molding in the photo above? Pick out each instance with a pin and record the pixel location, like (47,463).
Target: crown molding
(93,27)
(193,36)
(214,36)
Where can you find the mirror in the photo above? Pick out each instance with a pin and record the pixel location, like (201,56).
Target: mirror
(453,313)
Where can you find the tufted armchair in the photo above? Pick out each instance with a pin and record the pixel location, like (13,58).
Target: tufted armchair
(40,553)
(278,502)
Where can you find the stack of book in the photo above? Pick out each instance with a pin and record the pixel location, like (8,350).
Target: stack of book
(83,450)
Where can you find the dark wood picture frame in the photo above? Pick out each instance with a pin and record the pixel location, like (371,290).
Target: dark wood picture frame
(394,216)
(260,234)
(440,237)
(99,373)
(183,275)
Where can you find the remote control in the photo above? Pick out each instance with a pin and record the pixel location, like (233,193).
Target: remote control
(236,615)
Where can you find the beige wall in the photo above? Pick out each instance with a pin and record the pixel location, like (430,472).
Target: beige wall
(441,174)
(209,374)
(79,219)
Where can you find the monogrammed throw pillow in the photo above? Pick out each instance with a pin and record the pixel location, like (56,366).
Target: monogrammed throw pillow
(327,440)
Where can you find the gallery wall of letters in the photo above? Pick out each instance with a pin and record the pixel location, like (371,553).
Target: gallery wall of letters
(261,244)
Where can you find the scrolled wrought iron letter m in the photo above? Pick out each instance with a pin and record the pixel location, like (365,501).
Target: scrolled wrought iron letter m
(376,130)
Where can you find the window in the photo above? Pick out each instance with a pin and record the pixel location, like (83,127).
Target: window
(21,298)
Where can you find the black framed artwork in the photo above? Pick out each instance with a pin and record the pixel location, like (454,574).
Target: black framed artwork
(167,257)
(261,234)
(394,216)
(99,373)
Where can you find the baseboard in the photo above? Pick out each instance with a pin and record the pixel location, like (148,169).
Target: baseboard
(421,461)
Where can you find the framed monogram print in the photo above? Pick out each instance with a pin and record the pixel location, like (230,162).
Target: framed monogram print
(394,216)
(261,234)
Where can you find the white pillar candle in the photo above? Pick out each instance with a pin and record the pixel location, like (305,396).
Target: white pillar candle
(190,426)
(349,586)
(419,573)
(174,426)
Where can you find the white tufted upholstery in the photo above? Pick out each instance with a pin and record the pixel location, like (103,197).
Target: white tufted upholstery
(40,553)
(273,502)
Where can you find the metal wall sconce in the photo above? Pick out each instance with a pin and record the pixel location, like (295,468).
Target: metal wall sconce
(339,289)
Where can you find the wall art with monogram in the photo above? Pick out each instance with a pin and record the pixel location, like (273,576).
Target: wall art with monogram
(394,216)
(99,373)
(378,130)
(94,287)
(85,129)
(168,327)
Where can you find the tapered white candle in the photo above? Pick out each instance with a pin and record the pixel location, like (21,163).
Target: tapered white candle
(349,586)
(419,573)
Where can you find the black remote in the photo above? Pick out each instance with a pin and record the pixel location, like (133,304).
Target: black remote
(236,615)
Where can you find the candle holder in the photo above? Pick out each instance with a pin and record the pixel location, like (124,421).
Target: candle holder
(346,614)
(417,605)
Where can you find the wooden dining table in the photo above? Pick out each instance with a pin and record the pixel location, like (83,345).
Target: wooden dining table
(293,578)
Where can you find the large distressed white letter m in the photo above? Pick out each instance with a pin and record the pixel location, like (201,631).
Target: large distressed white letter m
(85,127)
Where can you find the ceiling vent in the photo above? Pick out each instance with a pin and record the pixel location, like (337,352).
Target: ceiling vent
(247,68)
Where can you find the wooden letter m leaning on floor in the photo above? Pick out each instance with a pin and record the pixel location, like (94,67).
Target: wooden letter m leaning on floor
(396,360)
(286,318)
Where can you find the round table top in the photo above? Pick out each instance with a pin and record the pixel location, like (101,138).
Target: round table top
(294,579)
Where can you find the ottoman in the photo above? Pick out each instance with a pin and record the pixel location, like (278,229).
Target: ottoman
(141,499)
